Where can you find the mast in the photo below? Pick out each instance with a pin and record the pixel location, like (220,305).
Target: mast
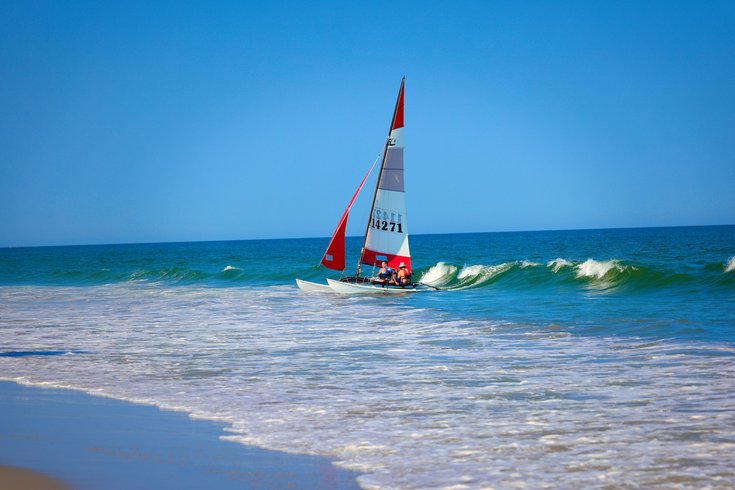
(380,176)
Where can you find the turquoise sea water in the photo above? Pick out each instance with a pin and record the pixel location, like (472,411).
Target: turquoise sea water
(564,358)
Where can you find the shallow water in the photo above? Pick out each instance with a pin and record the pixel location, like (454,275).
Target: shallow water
(556,359)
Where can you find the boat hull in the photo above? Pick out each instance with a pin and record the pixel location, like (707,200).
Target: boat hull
(367,288)
(313,287)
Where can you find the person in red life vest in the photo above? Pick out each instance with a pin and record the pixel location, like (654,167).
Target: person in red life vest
(403,276)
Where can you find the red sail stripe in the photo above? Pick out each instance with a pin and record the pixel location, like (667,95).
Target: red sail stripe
(398,119)
(371,257)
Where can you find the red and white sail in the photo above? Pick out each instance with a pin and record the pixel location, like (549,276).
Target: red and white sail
(387,232)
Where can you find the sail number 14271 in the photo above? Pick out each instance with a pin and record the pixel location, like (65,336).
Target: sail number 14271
(386,221)
(387,225)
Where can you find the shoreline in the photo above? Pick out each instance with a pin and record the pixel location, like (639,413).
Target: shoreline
(16,478)
(83,441)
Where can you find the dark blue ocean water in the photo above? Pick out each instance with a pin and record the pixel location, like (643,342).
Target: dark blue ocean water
(557,359)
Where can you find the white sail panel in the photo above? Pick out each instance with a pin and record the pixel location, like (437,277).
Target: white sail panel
(387,235)
(388,231)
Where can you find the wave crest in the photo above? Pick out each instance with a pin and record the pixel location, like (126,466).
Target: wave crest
(452,277)
(440,274)
(557,264)
(598,270)
(478,275)
(528,263)
(602,275)
(730,267)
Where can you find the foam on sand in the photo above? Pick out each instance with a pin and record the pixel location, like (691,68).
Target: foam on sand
(399,392)
(96,442)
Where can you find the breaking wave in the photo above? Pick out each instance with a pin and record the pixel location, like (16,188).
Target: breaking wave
(556,264)
(598,270)
(590,274)
(612,275)
(440,274)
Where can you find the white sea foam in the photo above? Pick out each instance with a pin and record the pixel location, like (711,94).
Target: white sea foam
(527,263)
(596,269)
(471,271)
(231,268)
(557,264)
(412,398)
(475,275)
(439,274)
(730,265)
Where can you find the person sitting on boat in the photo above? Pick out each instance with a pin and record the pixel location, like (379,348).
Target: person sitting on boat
(385,274)
(403,276)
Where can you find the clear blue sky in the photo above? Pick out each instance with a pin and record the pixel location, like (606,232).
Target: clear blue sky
(170,121)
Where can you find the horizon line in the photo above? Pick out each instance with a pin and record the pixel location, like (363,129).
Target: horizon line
(4,247)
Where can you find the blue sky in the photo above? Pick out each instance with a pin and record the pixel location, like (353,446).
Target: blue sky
(171,121)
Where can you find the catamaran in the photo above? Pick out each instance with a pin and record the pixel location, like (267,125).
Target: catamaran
(386,233)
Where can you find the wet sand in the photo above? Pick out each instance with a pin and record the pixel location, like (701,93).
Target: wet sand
(89,442)
(12,478)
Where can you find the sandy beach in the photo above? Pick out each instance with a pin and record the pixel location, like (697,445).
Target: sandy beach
(55,439)
(12,478)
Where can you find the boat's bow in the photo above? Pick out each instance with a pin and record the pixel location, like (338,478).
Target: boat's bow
(313,287)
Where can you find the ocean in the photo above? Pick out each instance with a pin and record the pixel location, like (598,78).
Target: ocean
(555,359)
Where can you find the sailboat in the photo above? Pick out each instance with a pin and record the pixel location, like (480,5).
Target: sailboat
(386,233)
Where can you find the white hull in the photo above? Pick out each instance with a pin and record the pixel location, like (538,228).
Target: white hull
(366,288)
(312,287)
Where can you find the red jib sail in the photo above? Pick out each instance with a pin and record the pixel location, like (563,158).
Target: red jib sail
(386,237)
(334,257)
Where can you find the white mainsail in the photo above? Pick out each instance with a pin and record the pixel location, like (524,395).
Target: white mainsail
(386,236)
